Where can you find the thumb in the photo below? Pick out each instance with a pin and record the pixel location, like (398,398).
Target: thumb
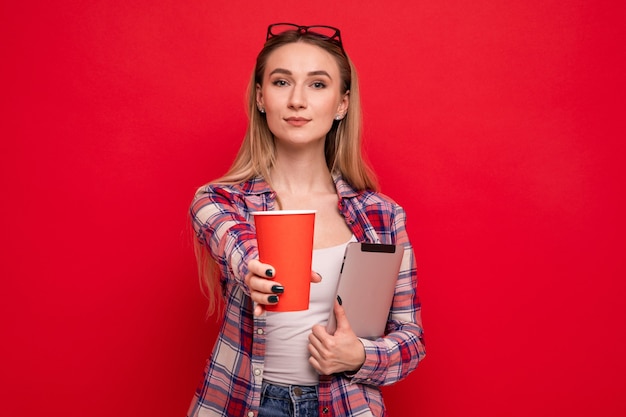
(340,316)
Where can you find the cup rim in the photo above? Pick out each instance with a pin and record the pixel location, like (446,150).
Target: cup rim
(281,212)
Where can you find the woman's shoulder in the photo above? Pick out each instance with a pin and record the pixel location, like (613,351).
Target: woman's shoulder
(250,186)
(222,197)
(366,197)
(376,197)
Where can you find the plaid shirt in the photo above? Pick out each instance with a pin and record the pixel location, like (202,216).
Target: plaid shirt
(233,375)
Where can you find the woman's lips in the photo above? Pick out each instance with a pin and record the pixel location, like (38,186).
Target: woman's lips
(297,121)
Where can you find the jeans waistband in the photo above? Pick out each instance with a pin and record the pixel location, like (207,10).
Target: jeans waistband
(293,392)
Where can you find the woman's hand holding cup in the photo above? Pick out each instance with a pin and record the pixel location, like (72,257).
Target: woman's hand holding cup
(263,289)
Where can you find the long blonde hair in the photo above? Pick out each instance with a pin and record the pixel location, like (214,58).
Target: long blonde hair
(256,156)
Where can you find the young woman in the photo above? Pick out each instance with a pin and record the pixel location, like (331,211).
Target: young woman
(302,150)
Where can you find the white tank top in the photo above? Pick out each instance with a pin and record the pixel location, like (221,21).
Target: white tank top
(287,333)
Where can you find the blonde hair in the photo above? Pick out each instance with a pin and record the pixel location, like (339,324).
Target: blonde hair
(256,156)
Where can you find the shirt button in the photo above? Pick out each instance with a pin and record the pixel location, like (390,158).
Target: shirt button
(257,372)
(325,410)
(250,413)
(259,331)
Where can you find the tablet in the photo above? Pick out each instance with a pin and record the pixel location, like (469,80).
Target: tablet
(367,282)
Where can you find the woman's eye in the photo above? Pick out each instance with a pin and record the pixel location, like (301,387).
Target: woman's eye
(319,84)
(279,83)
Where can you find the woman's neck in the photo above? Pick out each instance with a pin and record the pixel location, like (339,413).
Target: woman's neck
(301,179)
(302,174)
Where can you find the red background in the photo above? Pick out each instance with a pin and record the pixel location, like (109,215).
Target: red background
(499,126)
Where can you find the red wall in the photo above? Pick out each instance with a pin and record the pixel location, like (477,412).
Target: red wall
(498,125)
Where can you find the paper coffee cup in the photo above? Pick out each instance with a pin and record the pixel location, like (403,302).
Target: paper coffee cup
(285,241)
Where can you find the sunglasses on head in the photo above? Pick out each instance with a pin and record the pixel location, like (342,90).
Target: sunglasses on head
(325,32)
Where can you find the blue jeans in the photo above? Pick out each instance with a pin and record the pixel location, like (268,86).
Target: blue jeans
(288,401)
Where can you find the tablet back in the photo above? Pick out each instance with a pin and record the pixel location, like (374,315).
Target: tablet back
(366,286)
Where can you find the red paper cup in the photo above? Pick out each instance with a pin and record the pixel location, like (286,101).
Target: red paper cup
(285,241)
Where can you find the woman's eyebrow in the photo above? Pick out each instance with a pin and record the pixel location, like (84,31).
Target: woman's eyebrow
(280,71)
(311,73)
(320,72)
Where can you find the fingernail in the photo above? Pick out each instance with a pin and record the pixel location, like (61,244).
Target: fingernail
(272,299)
(278,289)
(318,274)
(339,300)
(269,273)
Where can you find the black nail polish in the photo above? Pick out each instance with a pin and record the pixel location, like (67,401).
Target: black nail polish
(278,289)
(339,300)
(272,299)
(269,273)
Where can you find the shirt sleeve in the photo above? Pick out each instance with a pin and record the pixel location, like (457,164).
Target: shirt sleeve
(219,219)
(392,357)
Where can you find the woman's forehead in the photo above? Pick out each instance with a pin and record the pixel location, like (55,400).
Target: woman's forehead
(302,57)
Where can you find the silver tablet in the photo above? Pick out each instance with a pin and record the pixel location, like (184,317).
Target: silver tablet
(366,286)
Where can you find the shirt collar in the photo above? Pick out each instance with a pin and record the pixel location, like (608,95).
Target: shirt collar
(344,190)
(256,186)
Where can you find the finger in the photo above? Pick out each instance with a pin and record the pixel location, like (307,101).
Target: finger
(258,309)
(314,341)
(315,352)
(340,317)
(322,341)
(258,268)
(315,364)
(319,332)
(263,297)
(321,360)
(264,285)
(316,277)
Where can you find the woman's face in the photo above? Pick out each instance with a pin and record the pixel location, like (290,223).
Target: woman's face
(301,93)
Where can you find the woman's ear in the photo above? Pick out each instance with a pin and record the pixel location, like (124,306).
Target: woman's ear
(344,104)
(259,97)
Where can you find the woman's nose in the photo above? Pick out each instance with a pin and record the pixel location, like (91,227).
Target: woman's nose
(297,99)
